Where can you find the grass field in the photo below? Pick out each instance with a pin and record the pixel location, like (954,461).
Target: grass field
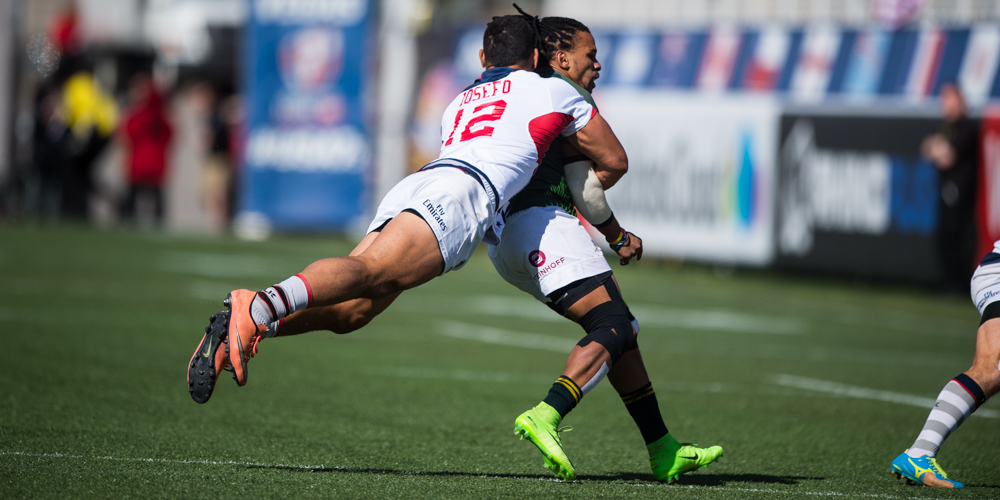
(811,386)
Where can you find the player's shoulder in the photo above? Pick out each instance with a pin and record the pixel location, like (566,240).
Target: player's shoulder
(555,75)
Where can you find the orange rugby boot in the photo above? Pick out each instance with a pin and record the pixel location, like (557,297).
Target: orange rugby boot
(208,360)
(244,333)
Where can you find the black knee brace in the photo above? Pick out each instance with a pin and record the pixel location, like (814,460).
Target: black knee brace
(610,324)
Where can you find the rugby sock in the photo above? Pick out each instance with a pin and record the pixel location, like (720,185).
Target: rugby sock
(563,396)
(278,301)
(272,329)
(641,404)
(959,398)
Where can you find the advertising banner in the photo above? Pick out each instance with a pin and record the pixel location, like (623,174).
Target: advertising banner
(979,67)
(814,63)
(308,152)
(677,59)
(855,197)
(701,173)
(989,180)
(719,59)
(769,56)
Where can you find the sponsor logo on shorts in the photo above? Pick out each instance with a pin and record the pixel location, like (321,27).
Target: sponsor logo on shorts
(542,271)
(536,258)
(986,296)
(437,213)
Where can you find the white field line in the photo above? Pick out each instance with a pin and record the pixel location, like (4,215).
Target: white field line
(421,473)
(692,319)
(497,336)
(211,265)
(456,374)
(851,391)
(718,320)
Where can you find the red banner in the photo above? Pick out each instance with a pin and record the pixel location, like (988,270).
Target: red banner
(989,180)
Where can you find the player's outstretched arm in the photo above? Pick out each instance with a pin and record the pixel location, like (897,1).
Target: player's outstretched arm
(598,142)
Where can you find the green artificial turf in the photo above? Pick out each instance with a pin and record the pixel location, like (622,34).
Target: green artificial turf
(98,327)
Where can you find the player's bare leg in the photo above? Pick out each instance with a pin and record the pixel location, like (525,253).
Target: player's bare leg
(341,318)
(985,368)
(404,255)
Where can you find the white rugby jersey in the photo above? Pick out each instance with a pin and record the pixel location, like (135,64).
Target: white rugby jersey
(505,122)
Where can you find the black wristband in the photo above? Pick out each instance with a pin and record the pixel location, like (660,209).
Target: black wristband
(606,223)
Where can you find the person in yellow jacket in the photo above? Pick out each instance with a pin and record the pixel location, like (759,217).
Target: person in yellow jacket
(91,115)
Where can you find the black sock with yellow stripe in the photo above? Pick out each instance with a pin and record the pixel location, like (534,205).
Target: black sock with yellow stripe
(641,404)
(563,396)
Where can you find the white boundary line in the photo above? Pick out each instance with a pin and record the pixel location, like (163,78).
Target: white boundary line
(419,473)
(852,391)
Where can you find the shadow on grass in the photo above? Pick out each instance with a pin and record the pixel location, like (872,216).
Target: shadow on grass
(705,479)
(974,485)
(709,479)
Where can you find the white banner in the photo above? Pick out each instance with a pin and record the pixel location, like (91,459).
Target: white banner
(701,178)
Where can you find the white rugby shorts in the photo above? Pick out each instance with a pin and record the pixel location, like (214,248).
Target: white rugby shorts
(455,205)
(986,282)
(544,249)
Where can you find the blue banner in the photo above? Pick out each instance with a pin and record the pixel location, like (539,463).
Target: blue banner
(308,152)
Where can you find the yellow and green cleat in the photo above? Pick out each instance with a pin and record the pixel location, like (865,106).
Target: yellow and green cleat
(669,459)
(540,425)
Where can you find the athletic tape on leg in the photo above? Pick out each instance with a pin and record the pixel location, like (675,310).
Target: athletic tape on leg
(608,325)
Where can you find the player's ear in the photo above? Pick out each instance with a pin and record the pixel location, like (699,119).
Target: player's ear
(562,59)
(534,57)
(482,58)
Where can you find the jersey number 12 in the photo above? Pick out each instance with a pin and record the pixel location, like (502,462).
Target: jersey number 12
(498,108)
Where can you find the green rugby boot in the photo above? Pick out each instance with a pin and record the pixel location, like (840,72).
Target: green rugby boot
(669,459)
(540,425)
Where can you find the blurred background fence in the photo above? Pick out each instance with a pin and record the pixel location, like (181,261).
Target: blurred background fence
(770,133)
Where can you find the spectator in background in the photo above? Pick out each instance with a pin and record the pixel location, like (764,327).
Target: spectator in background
(52,149)
(955,152)
(91,115)
(216,117)
(145,135)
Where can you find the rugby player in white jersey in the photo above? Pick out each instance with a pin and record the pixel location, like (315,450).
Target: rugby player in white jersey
(965,393)
(493,137)
(547,253)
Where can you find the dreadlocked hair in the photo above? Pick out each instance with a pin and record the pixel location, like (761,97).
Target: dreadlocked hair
(557,34)
(552,33)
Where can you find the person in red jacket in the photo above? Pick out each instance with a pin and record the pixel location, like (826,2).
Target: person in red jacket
(145,133)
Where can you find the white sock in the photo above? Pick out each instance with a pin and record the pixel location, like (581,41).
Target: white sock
(272,329)
(278,301)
